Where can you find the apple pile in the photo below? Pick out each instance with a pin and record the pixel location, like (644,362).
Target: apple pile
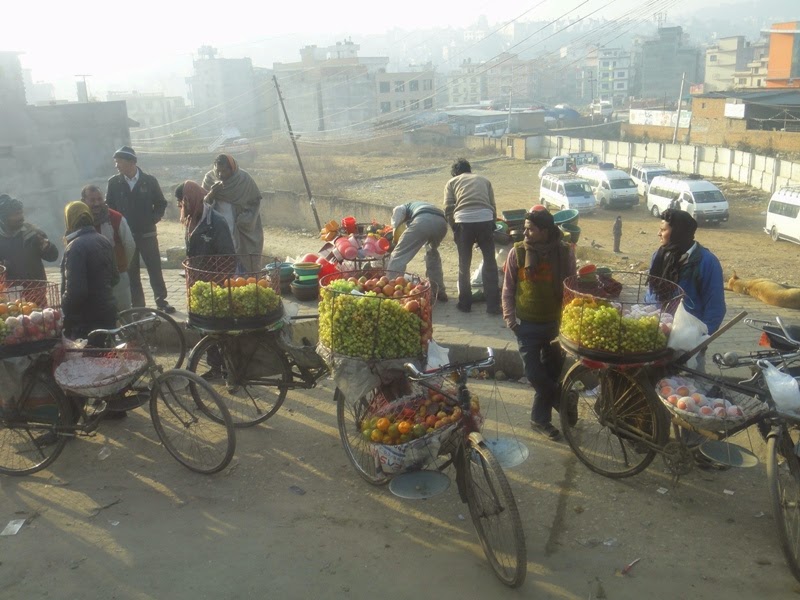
(375,318)
(417,418)
(30,324)
(684,395)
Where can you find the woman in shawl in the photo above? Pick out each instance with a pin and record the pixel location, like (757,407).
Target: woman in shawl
(22,246)
(207,232)
(681,260)
(234,194)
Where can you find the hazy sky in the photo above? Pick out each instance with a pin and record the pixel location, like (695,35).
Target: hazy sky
(62,38)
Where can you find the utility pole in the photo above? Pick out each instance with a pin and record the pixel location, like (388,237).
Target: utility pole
(83,87)
(591,87)
(680,103)
(297,154)
(510,93)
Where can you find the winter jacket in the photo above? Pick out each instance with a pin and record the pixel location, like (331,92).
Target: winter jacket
(143,206)
(701,279)
(468,191)
(211,237)
(22,254)
(88,272)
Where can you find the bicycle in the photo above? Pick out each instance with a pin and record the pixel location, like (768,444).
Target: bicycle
(479,477)
(163,335)
(252,371)
(35,426)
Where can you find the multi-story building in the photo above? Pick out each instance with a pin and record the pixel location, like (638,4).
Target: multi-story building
(38,92)
(224,94)
(784,55)
(664,61)
(510,79)
(12,85)
(467,84)
(157,115)
(606,75)
(754,75)
(399,93)
(730,55)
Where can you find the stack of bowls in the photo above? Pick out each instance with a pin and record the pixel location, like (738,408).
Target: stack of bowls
(286,274)
(306,280)
(567,221)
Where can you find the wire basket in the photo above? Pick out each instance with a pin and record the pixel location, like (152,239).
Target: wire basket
(618,316)
(359,320)
(221,295)
(707,405)
(30,315)
(99,372)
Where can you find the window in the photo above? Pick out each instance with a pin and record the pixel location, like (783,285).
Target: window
(784,209)
(427,84)
(428,103)
(415,105)
(758,83)
(383,87)
(620,74)
(604,86)
(400,105)
(386,107)
(413,86)
(709,196)
(578,188)
(622,184)
(742,80)
(604,75)
(620,85)
(604,63)
(399,86)
(712,58)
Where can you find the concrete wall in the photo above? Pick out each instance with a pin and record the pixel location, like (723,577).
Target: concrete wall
(292,210)
(762,172)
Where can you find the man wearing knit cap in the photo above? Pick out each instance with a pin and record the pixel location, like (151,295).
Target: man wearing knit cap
(532,296)
(22,246)
(139,198)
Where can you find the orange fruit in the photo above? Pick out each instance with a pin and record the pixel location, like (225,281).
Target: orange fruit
(263,283)
(3,309)
(226,283)
(26,309)
(383,424)
(403,427)
(251,280)
(239,282)
(376,436)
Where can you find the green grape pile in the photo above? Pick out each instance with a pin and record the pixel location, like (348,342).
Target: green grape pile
(250,300)
(367,326)
(598,325)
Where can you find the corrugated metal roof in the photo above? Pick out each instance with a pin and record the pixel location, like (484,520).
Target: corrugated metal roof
(778,97)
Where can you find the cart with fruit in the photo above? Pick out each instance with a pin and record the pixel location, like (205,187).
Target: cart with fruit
(30,316)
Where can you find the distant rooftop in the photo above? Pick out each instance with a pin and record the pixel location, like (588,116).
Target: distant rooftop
(776,97)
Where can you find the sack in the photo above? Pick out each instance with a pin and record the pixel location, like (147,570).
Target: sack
(783,388)
(688,331)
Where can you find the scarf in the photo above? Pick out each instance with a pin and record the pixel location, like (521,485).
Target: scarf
(670,258)
(77,215)
(239,189)
(192,209)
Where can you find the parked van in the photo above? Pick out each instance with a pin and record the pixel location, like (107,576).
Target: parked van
(563,191)
(569,163)
(700,198)
(782,215)
(613,188)
(644,173)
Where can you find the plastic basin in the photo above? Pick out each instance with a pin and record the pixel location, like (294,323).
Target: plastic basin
(563,217)
(305,292)
(308,268)
(571,231)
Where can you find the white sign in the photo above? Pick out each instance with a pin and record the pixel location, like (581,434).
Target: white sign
(734,111)
(660,118)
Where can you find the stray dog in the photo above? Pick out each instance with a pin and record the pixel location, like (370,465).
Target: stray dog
(768,291)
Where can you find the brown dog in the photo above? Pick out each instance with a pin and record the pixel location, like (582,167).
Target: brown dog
(766,290)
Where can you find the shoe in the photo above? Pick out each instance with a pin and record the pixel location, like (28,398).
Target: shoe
(546,429)
(167,308)
(572,408)
(115,415)
(212,374)
(494,311)
(463,308)
(48,439)
(706,464)
(441,296)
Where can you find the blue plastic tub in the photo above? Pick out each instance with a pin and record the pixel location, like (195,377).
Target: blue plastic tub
(569,215)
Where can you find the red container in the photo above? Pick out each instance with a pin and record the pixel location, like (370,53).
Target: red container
(349,224)
(384,244)
(327,268)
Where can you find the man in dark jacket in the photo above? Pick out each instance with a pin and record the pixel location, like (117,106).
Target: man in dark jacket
(138,197)
(22,246)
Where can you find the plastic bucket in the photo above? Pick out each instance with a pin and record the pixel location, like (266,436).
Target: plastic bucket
(571,231)
(306,269)
(563,217)
(349,224)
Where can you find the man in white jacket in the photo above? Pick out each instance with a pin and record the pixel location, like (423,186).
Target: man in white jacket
(113,226)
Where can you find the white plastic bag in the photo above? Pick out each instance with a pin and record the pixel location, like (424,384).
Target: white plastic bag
(438,356)
(783,388)
(688,331)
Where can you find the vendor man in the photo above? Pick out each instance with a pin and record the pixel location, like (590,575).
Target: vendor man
(23,247)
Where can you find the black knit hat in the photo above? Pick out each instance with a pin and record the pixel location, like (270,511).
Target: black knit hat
(126,152)
(541,218)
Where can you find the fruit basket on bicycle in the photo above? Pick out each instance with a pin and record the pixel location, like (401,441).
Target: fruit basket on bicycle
(374,314)
(30,316)
(618,317)
(705,405)
(98,372)
(226,293)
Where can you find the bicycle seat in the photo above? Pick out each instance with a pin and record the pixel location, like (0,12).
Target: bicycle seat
(777,339)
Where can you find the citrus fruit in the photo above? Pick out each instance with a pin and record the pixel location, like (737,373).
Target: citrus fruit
(394,430)
(251,280)
(376,436)
(403,427)
(383,424)
(239,282)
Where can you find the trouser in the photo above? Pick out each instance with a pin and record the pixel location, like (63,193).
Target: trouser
(147,247)
(424,230)
(617,239)
(543,363)
(466,235)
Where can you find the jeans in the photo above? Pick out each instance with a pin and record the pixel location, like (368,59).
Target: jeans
(424,230)
(543,363)
(147,247)
(467,235)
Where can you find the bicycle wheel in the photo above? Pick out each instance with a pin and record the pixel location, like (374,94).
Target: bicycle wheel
(248,371)
(494,512)
(29,438)
(612,420)
(198,442)
(164,337)
(348,417)
(784,489)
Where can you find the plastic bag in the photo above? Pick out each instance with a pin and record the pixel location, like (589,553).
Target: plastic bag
(688,331)
(783,388)
(438,356)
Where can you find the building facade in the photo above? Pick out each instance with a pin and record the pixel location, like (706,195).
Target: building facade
(754,75)
(606,75)
(784,55)
(467,84)
(664,61)
(723,60)
(399,93)
(157,115)
(510,79)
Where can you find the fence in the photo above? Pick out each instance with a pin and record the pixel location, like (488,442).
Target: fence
(762,172)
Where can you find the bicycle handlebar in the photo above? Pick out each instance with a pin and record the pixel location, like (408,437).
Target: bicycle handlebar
(135,324)
(484,363)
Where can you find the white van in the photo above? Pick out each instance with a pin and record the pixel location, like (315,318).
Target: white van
(700,198)
(569,163)
(782,215)
(563,191)
(644,173)
(613,188)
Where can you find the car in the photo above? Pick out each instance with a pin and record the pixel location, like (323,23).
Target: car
(783,215)
(613,188)
(644,173)
(700,198)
